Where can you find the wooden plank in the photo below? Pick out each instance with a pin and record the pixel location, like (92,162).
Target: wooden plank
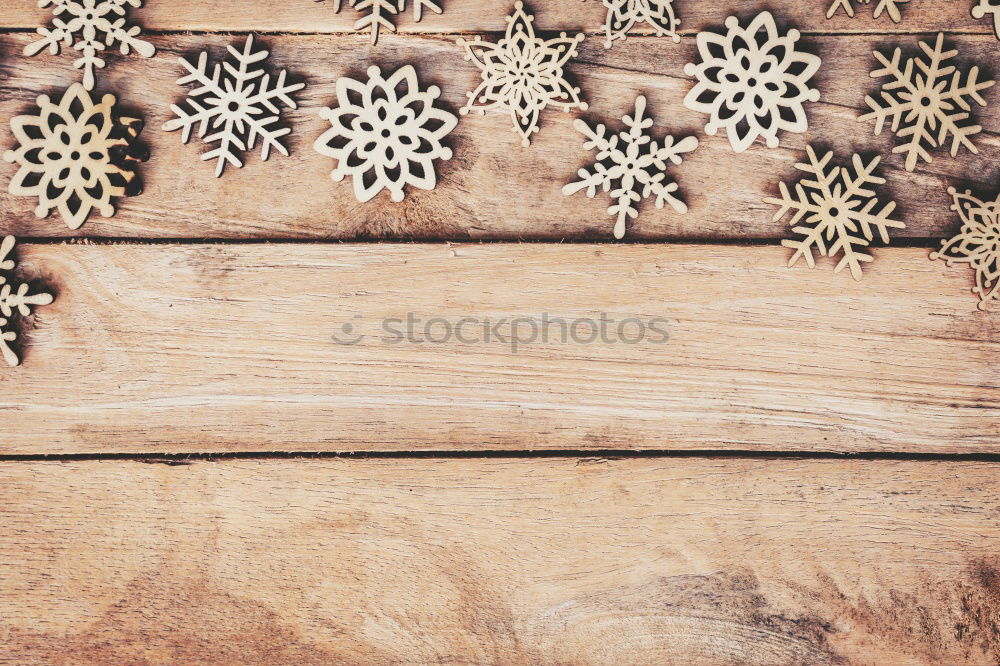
(229,347)
(485,16)
(679,561)
(491,189)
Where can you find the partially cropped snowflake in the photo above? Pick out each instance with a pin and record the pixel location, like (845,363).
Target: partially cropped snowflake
(835,212)
(234,106)
(386,133)
(926,101)
(752,82)
(75,155)
(631,166)
(14,300)
(522,73)
(890,7)
(624,14)
(375,13)
(977,243)
(985,7)
(91,27)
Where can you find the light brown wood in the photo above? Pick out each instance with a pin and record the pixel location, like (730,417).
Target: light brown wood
(491,189)
(163,348)
(685,562)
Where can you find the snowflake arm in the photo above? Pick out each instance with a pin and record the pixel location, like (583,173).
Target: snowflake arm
(13,301)
(890,7)
(374,13)
(624,14)
(986,7)
(977,243)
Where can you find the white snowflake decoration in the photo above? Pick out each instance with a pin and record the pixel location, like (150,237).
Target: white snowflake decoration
(624,14)
(95,26)
(237,103)
(835,212)
(375,12)
(928,105)
(890,7)
(988,7)
(388,135)
(631,166)
(977,243)
(14,300)
(752,82)
(522,73)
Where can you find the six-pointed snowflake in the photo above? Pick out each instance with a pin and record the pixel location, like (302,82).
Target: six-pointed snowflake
(237,103)
(522,73)
(752,82)
(95,26)
(74,155)
(386,133)
(890,7)
(988,7)
(623,14)
(14,300)
(835,212)
(926,106)
(375,12)
(977,243)
(631,166)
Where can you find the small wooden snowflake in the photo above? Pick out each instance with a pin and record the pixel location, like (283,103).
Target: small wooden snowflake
(624,14)
(374,13)
(977,243)
(890,7)
(14,300)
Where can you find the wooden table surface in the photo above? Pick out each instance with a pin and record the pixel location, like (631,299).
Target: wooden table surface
(193,471)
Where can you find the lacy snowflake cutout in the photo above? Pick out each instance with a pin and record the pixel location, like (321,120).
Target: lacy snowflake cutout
(976,244)
(237,103)
(14,300)
(752,82)
(522,73)
(890,7)
(631,166)
(835,212)
(375,12)
(926,106)
(95,26)
(386,133)
(988,7)
(75,156)
(624,14)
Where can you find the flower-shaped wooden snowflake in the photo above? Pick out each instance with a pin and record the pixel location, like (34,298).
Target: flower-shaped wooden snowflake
(835,212)
(522,73)
(928,105)
(386,133)
(890,7)
(14,300)
(631,166)
(91,27)
(75,156)
(237,103)
(375,13)
(988,7)
(623,14)
(977,243)
(752,82)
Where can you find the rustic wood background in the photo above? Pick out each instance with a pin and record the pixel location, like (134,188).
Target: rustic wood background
(191,471)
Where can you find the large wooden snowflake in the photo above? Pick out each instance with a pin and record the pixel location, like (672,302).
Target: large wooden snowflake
(522,73)
(631,166)
(835,212)
(890,7)
(375,13)
(926,102)
(624,14)
(237,103)
(977,243)
(14,300)
(91,27)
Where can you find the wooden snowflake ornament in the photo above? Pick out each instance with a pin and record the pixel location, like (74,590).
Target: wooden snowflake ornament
(890,7)
(386,133)
(375,12)
(752,82)
(91,27)
(926,102)
(14,300)
(624,14)
(522,73)
(631,166)
(977,243)
(835,212)
(75,156)
(985,7)
(234,105)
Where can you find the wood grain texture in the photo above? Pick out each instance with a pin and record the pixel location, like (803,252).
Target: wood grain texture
(542,561)
(171,348)
(493,188)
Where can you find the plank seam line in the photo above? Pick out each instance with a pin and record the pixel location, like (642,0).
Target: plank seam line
(430,34)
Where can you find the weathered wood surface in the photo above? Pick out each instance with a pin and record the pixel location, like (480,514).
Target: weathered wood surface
(541,561)
(229,347)
(491,189)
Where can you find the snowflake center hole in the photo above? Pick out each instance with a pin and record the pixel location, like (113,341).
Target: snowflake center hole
(233,106)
